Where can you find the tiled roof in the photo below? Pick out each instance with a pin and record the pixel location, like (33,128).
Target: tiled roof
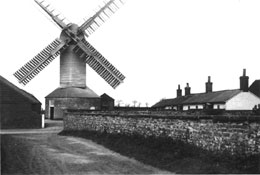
(106,96)
(212,97)
(171,102)
(25,94)
(73,92)
(255,88)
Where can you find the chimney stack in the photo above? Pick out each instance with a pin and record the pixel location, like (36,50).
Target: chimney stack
(208,85)
(179,91)
(244,82)
(187,90)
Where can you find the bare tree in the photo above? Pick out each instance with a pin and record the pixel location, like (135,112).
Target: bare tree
(146,104)
(134,102)
(139,104)
(119,102)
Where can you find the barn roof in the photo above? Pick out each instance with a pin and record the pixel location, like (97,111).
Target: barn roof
(73,92)
(25,94)
(106,96)
(211,97)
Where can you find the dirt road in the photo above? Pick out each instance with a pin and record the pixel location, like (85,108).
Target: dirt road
(33,152)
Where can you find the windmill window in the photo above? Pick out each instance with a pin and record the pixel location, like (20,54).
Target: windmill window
(51,103)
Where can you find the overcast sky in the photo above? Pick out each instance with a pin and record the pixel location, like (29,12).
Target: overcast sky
(156,44)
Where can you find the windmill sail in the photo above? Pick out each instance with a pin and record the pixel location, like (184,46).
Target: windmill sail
(72,37)
(97,62)
(93,23)
(39,62)
(56,19)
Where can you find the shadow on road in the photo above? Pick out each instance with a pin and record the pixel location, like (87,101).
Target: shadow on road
(51,126)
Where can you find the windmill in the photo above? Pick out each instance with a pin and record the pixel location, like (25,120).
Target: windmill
(75,52)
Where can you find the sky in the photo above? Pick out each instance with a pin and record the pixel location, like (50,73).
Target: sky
(156,44)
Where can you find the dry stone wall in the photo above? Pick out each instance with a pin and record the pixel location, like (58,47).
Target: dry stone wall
(233,138)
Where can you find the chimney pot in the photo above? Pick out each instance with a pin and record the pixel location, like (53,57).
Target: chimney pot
(244,82)
(179,91)
(187,90)
(209,85)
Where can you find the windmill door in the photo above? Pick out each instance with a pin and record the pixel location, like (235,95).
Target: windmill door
(51,109)
(52,113)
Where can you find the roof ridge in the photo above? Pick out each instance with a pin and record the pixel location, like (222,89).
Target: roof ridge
(26,94)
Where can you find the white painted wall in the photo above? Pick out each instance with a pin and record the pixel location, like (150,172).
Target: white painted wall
(221,106)
(186,107)
(170,107)
(242,101)
(200,106)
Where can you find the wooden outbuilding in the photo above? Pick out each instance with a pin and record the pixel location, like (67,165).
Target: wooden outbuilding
(18,108)
(107,102)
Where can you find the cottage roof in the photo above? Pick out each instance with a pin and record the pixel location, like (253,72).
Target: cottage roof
(255,88)
(211,97)
(171,102)
(73,92)
(25,94)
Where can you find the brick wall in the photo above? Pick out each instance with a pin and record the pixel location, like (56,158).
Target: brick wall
(75,103)
(236,138)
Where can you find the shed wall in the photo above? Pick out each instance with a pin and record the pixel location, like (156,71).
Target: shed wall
(17,111)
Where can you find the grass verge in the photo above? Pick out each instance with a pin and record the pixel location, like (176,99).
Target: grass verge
(174,156)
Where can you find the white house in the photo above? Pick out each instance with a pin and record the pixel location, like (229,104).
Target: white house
(244,98)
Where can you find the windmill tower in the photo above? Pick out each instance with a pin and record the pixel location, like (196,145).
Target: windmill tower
(75,51)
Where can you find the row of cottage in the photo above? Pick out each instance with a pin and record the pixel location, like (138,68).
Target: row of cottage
(245,98)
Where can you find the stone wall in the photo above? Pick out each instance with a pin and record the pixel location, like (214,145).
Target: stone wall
(242,138)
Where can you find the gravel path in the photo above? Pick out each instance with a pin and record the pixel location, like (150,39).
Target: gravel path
(33,152)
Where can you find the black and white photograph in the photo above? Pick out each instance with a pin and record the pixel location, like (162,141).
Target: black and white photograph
(130,87)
